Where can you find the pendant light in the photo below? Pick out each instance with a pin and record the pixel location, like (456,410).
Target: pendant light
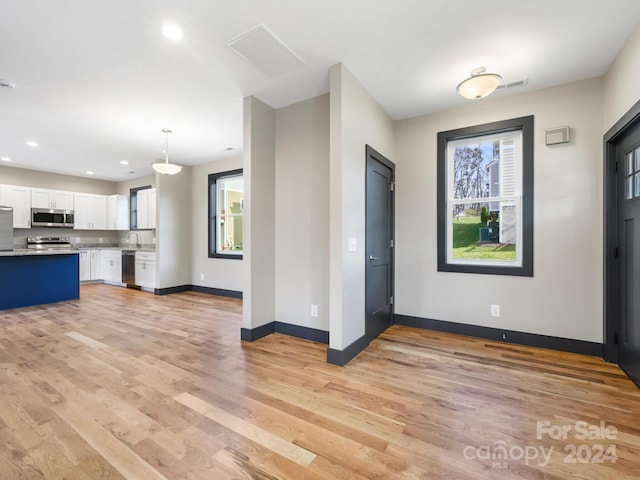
(479,84)
(166,168)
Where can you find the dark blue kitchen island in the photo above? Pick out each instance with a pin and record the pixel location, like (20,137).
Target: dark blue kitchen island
(38,277)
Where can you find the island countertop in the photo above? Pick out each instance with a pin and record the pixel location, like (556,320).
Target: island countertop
(19,252)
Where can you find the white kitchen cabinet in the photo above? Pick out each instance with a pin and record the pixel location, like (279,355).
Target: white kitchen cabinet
(96,264)
(117,212)
(152,208)
(112,266)
(90,211)
(91,267)
(45,198)
(19,198)
(146,208)
(146,269)
(85,265)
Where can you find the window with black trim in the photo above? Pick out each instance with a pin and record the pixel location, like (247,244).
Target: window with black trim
(485,198)
(226,206)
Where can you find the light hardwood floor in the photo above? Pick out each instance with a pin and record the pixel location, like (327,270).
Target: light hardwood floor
(126,385)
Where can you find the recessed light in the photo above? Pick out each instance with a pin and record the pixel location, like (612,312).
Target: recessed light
(5,159)
(89,172)
(124,162)
(31,143)
(172,32)
(228,149)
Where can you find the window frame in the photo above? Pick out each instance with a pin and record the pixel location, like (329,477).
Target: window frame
(525,269)
(213,179)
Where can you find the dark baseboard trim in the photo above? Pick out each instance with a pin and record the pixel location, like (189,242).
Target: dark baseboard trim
(305,333)
(342,357)
(169,290)
(217,291)
(253,334)
(508,336)
(196,288)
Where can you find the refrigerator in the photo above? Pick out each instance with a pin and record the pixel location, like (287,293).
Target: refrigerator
(6,228)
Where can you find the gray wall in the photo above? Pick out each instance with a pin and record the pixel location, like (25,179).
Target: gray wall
(259,213)
(173,229)
(355,120)
(621,87)
(302,213)
(55,181)
(218,272)
(564,298)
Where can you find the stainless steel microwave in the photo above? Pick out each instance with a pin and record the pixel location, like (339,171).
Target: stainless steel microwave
(51,217)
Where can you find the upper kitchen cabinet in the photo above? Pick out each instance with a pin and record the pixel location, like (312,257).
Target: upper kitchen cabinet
(146,208)
(90,211)
(19,198)
(117,212)
(44,198)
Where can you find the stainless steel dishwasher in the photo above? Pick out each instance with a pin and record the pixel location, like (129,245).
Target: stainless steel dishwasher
(129,268)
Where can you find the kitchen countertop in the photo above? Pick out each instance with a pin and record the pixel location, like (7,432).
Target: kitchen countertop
(20,252)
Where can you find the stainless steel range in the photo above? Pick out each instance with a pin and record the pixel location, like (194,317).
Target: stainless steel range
(48,243)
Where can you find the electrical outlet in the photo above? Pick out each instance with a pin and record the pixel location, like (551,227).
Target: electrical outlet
(314,310)
(495,310)
(202,276)
(100,240)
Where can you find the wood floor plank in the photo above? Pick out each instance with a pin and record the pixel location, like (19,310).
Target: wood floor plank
(123,384)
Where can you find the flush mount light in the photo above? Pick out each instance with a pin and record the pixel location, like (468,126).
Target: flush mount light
(6,84)
(5,159)
(479,84)
(172,32)
(31,143)
(166,168)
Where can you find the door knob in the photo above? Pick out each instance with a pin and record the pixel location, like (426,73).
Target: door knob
(372,258)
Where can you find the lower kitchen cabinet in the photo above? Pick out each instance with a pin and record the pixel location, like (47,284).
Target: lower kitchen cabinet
(146,269)
(91,267)
(112,266)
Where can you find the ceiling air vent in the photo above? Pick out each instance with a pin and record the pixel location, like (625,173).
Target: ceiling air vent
(264,51)
(508,85)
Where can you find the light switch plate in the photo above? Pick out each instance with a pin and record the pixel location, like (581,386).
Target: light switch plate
(353,244)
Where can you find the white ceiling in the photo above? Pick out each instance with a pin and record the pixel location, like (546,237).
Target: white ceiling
(96,81)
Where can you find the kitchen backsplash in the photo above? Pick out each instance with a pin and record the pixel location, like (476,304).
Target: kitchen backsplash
(86,238)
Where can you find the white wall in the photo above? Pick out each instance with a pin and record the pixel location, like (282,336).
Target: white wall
(621,86)
(218,272)
(173,229)
(302,213)
(355,120)
(259,213)
(564,298)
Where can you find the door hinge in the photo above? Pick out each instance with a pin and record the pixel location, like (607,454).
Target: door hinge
(615,252)
(391,243)
(616,166)
(616,338)
(390,300)
(393,186)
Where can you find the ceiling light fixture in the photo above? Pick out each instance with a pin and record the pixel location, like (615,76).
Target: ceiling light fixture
(172,32)
(89,172)
(479,84)
(5,159)
(6,84)
(31,143)
(166,168)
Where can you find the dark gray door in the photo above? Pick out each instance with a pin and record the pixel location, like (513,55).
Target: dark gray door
(628,158)
(378,250)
